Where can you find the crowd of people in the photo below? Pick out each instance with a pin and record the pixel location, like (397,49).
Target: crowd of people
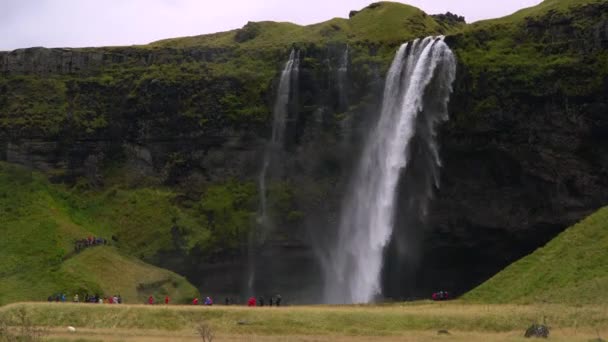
(90,241)
(96,299)
(252,301)
(441,295)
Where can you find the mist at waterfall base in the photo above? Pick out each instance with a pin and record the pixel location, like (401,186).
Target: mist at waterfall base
(415,99)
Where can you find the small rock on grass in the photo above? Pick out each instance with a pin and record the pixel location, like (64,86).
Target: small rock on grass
(537,330)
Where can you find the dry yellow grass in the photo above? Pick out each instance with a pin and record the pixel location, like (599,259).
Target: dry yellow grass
(400,322)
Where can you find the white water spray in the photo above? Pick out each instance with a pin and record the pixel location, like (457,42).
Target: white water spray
(353,269)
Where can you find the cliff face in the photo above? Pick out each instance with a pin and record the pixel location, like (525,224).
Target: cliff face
(524,154)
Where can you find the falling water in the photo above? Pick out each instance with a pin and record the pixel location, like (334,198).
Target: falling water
(352,272)
(342,78)
(290,71)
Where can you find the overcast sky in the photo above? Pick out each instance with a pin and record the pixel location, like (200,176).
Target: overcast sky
(79,23)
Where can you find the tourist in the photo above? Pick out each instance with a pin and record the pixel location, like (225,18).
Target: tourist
(261,301)
(227,301)
(195,301)
(208,301)
(251,301)
(166,300)
(270,301)
(150,300)
(278,300)
(76,300)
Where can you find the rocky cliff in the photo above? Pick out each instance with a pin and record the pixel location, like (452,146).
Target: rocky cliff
(524,154)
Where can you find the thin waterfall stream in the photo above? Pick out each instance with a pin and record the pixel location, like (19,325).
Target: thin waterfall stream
(272,151)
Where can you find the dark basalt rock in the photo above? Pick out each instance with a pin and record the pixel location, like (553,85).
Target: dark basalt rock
(538,331)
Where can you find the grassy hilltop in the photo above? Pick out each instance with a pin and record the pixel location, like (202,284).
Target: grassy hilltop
(570,269)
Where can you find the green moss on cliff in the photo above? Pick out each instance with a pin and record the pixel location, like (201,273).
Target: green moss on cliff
(569,269)
(39,104)
(548,51)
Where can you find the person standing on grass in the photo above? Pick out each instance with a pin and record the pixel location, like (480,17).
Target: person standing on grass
(251,301)
(76,299)
(150,300)
(195,301)
(278,300)
(167,300)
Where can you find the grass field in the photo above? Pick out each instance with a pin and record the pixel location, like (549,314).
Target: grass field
(397,322)
(570,269)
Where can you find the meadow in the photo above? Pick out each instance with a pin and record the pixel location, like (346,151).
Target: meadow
(418,321)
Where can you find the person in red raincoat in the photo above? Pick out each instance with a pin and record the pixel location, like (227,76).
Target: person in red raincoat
(251,301)
(150,300)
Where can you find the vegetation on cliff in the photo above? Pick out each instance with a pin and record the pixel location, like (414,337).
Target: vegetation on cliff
(570,269)
(42,221)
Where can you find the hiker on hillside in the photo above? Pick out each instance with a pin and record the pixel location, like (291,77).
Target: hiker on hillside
(150,300)
(166,300)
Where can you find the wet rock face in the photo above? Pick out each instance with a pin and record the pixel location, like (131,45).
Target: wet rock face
(43,61)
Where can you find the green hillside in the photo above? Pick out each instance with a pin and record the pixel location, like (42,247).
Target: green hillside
(556,6)
(379,22)
(41,222)
(570,269)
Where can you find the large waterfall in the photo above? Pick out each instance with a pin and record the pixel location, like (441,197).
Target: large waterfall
(272,152)
(418,83)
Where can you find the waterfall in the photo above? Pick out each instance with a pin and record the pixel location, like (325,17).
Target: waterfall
(273,148)
(342,79)
(418,83)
